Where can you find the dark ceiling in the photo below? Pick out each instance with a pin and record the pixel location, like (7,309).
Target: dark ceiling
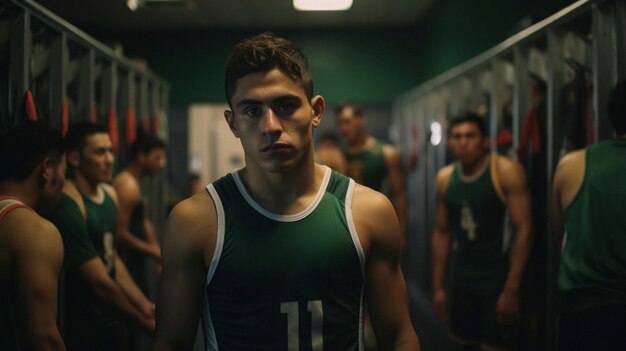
(114,15)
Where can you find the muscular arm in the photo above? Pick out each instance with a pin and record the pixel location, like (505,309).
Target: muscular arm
(131,290)
(128,197)
(188,235)
(513,180)
(441,245)
(384,283)
(397,183)
(106,289)
(38,262)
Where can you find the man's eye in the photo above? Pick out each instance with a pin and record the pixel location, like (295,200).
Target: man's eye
(252,111)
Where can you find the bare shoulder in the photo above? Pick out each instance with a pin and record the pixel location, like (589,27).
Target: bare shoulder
(374,217)
(70,189)
(391,153)
(34,234)
(572,160)
(125,183)
(443,177)
(510,172)
(571,168)
(193,222)
(111,191)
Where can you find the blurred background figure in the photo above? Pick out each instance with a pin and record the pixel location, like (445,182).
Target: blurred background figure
(102,299)
(329,153)
(372,162)
(32,173)
(135,237)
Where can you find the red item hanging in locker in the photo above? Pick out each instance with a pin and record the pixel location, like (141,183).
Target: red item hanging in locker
(131,129)
(65,116)
(113,131)
(155,123)
(93,114)
(31,111)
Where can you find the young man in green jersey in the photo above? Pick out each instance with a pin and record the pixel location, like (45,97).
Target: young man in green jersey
(100,295)
(372,162)
(32,171)
(280,254)
(590,224)
(474,197)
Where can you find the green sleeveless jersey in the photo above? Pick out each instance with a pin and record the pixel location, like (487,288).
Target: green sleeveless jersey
(368,167)
(481,240)
(284,282)
(593,257)
(85,238)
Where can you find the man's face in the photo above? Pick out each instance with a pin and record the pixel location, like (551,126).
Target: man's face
(350,126)
(96,159)
(467,143)
(153,161)
(274,119)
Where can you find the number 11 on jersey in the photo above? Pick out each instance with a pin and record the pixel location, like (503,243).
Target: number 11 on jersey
(291,309)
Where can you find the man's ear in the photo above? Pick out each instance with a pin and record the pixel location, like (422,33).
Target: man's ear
(73,158)
(46,168)
(319,105)
(230,119)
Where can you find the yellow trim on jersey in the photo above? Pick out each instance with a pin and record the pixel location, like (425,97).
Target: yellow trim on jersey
(496,179)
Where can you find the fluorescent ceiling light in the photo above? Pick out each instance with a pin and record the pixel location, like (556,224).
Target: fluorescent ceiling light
(322,5)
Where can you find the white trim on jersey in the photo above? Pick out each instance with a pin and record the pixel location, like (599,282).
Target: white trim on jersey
(359,249)
(278,217)
(210,340)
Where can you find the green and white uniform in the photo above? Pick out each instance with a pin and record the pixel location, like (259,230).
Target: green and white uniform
(284,282)
(368,167)
(481,239)
(88,321)
(593,258)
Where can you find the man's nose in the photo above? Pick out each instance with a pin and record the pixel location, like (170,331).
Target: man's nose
(271,122)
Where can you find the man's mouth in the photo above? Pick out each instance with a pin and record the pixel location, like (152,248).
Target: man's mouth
(275,147)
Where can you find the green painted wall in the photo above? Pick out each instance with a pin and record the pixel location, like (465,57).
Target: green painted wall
(369,65)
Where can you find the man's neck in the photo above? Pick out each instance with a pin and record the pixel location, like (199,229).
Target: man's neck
(472,168)
(284,192)
(26,192)
(361,143)
(89,188)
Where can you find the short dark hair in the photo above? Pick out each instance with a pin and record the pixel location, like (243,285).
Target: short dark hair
(77,134)
(469,118)
(145,144)
(617,107)
(356,109)
(25,146)
(262,53)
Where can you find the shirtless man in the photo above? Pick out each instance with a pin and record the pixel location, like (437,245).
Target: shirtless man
(31,249)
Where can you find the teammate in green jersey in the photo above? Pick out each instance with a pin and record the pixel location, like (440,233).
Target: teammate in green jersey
(100,295)
(280,254)
(590,222)
(474,195)
(370,161)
